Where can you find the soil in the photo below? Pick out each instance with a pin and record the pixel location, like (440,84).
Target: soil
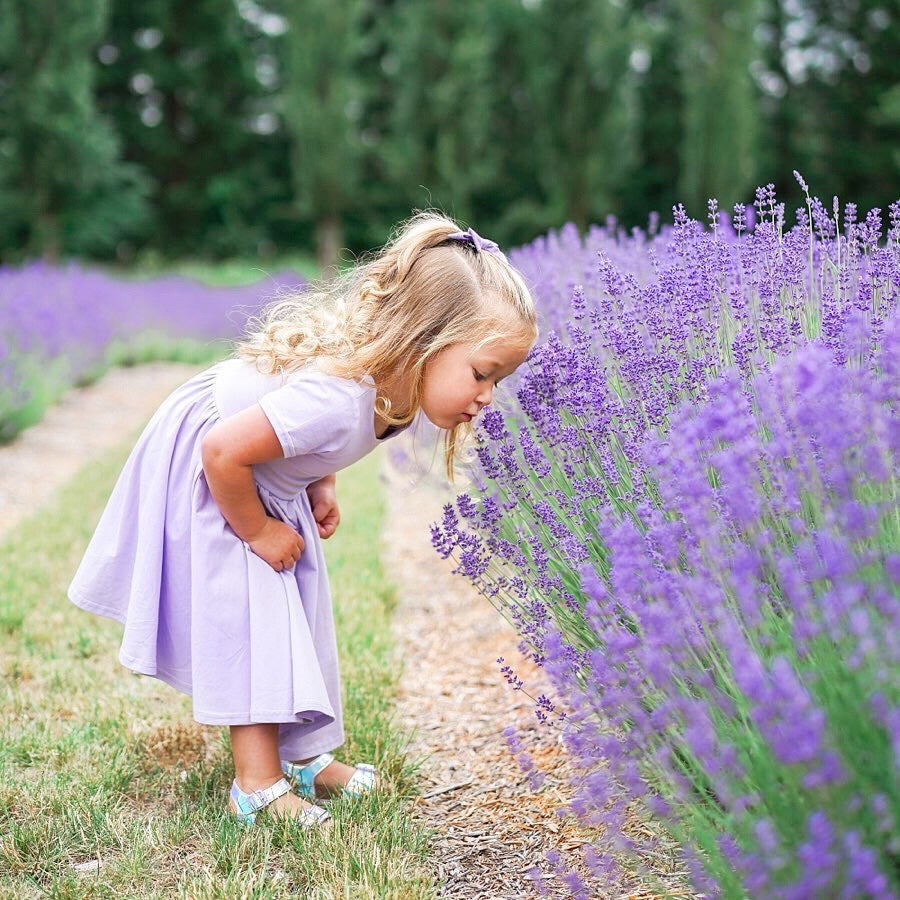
(491,827)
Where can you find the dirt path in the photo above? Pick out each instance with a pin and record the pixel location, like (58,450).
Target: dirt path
(87,421)
(492,828)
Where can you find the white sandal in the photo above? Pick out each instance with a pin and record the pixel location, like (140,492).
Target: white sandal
(303,777)
(248,805)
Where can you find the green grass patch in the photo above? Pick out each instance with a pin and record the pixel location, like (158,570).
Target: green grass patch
(100,764)
(49,381)
(152,346)
(220,273)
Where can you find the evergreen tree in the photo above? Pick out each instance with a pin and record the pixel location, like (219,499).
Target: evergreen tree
(510,115)
(182,83)
(377,201)
(322,110)
(721,112)
(584,124)
(443,98)
(63,187)
(835,72)
(652,184)
(512,206)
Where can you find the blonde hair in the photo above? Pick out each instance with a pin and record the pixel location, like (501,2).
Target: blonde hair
(394,311)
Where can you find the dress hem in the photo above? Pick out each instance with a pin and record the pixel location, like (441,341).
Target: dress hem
(264,717)
(96,608)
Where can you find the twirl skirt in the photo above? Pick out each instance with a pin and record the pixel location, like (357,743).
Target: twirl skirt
(200,610)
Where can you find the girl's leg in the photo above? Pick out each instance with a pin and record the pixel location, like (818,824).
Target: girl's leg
(257,764)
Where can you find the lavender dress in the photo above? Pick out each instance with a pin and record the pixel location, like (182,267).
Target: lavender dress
(201,611)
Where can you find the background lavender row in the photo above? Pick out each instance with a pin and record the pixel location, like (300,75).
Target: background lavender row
(63,326)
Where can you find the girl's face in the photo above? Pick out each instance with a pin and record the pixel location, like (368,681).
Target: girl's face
(460,380)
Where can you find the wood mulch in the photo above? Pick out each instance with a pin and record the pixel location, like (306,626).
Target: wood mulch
(492,828)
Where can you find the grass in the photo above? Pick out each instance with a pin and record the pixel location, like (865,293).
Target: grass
(49,381)
(100,764)
(221,273)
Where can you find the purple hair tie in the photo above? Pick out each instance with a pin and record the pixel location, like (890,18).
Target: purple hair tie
(471,236)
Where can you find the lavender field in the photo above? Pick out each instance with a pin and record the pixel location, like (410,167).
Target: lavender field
(688,510)
(64,326)
(687,507)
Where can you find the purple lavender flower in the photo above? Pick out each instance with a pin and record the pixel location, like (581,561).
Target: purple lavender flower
(694,531)
(61,326)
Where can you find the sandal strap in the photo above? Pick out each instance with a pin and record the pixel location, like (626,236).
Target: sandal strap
(362,780)
(304,775)
(308,771)
(247,804)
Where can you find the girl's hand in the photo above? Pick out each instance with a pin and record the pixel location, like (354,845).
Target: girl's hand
(323,500)
(277,544)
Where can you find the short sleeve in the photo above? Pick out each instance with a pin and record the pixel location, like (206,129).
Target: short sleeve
(313,414)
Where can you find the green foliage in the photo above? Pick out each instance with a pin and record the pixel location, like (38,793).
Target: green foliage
(584,95)
(432,83)
(721,107)
(322,113)
(835,110)
(252,129)
(225,273)
(63,186)
(179,80)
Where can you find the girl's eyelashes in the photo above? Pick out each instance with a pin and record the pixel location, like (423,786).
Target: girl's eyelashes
(480,377)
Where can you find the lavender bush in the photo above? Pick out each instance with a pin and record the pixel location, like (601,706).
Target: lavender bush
(64,326)
(747,641)
(690,515)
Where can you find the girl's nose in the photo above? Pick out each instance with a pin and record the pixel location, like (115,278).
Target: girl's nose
(486,394)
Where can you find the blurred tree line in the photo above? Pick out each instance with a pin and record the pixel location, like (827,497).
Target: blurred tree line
(245,127)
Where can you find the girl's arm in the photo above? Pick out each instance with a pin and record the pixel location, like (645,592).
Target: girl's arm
(229,451)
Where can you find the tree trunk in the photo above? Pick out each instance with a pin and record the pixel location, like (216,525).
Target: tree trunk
(329,238)
(46,238)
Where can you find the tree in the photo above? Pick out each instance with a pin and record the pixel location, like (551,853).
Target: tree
(322,107)
(584,91)
(181,82)
(652,183)
(439,65)
(834,71)
(63,186)
(721,112)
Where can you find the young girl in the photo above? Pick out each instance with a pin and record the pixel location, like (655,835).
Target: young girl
(209,549)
